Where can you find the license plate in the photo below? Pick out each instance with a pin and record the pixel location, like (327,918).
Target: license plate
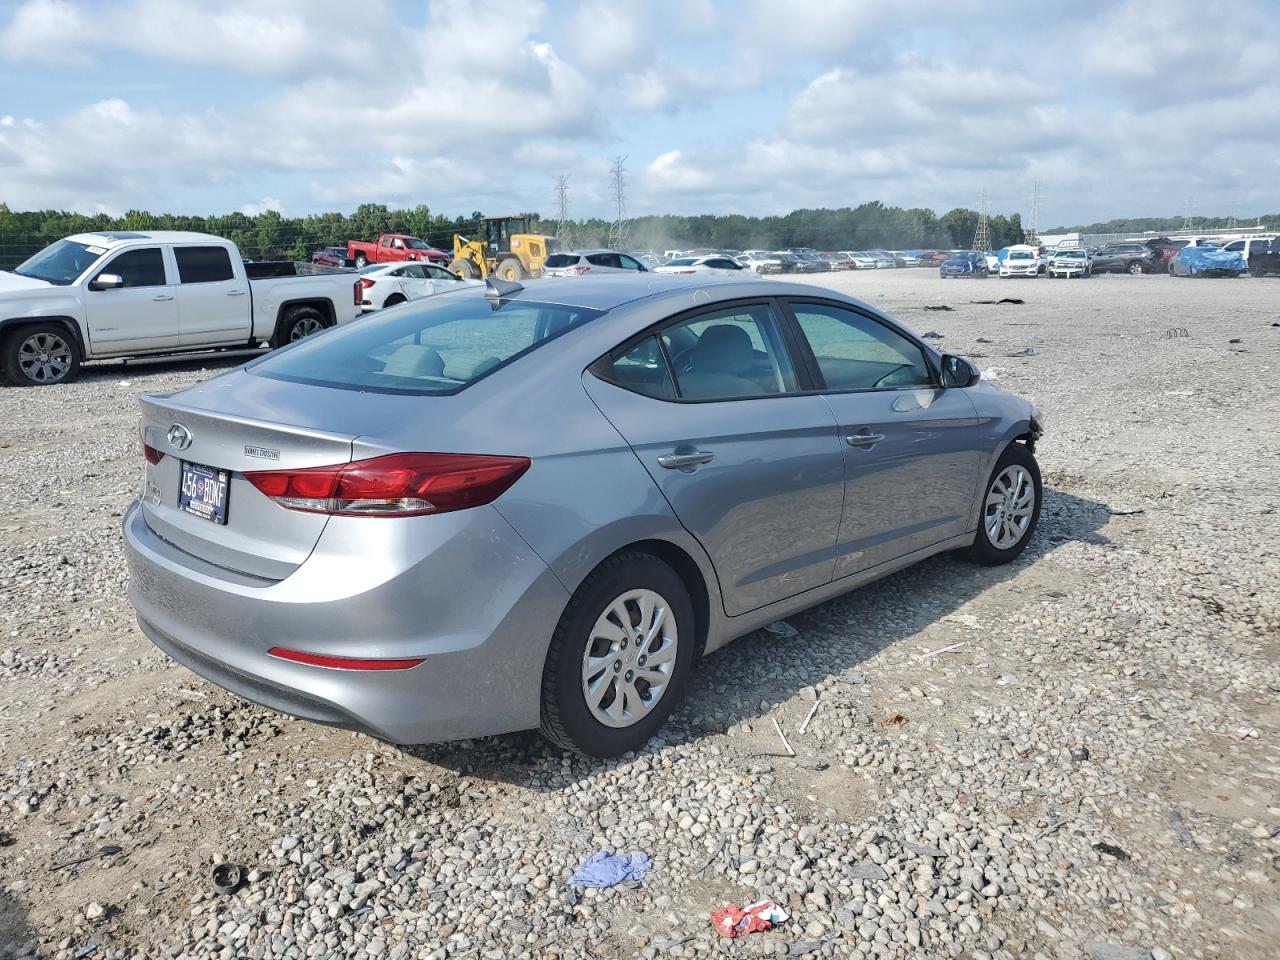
(204,492)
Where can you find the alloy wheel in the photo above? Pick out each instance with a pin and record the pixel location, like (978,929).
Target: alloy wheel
(1011,502)
(44,357)
(305,328)
(630,658)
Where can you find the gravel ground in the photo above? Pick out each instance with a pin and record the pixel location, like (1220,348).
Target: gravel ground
(1077,756)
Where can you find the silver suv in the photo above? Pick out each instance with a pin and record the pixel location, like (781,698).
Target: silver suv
(576,263)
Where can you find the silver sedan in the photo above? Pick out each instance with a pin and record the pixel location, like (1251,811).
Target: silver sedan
(512,507)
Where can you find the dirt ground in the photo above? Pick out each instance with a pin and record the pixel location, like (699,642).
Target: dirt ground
(1143,628)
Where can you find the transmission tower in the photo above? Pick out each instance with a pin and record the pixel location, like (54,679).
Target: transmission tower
(1033,232)
(563,231)
(1186,219)
(1232,220)
(982,237)
(618,229)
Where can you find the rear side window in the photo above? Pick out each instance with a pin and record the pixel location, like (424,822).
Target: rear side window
(562,260)
(139,268)
(203,264)
(642,369)
(729,354)
(855,352)
(438,348)
(604,260)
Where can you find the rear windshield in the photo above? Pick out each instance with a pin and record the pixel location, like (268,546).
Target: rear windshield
(437,349)
(562,260)
(683,262)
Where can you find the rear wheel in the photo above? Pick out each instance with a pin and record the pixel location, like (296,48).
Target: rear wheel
(511,269)
(620,658)
(1010,508)
(1136,268)
(40,355)
(394,299)
(463,268)
(298,322)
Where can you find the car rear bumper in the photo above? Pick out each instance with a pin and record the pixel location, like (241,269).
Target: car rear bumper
(466,594)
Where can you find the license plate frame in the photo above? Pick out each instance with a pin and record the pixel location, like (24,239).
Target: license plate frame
(204,491)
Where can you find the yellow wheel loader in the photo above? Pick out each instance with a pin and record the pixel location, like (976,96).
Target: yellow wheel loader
(508,251)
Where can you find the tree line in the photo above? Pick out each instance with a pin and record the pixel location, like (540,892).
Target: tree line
(1139,225)
(270,235)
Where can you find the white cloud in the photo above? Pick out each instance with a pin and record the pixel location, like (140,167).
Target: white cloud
(262,206)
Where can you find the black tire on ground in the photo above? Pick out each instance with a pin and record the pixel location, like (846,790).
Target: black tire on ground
(1136,268)
(511,270)
(38,355)
(298,322)
(567,720)
(463,268)
(983,550)
(394,299)
(361,261)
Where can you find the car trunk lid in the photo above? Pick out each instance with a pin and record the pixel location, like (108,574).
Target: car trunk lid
(258,537)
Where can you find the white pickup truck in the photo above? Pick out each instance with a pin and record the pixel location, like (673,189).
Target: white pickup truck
(125,294)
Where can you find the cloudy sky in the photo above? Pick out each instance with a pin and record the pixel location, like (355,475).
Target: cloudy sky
(1116,108)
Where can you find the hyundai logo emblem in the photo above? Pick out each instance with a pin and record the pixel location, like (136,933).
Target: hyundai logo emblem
(179,437)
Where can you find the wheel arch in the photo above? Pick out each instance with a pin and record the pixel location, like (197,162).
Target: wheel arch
(69,324)
(324,305)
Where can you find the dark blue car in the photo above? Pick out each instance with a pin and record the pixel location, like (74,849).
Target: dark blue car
(967,264)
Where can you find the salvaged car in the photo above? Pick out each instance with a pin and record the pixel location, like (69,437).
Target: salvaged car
(537,506)
(1207,262)
(967,264)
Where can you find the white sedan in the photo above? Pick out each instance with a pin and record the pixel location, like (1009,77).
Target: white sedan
(702,266)
(385,285)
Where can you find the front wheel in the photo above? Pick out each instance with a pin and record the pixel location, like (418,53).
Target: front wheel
(620,658)
(361,261)
(463,268)
(1135,268)
(511,270)
(1010,508)
(40,355)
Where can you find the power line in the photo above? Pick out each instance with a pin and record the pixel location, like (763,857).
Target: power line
(618,229)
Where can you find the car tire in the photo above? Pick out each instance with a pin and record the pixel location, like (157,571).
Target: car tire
(361,261)
(463,268)
(394,299)
(297,323)
(1136,268)
(40,355)
(997,541)
(586,627)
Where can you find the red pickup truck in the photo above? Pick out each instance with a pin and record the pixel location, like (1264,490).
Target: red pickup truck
(392,247)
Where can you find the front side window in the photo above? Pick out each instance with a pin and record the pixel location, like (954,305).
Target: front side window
(729,354)
(139,268)
(440,273)
(439,349)
(855,352)
(604,260)
(629,263)
(203,264)
(413,271)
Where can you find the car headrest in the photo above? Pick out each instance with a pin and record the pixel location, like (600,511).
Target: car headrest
(723,348)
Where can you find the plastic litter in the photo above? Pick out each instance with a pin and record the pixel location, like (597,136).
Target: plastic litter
(783,737)
(940,306)
(1013,300)
(732,921)
(780,628)
(106,851)
(932,335)
(1007,680)
(226,878)
(895,720)
(603,869)
(812,711)
(1111,850)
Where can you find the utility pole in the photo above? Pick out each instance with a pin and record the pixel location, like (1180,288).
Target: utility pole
(618,229)
(982,237)
(563,233)
(1033,232)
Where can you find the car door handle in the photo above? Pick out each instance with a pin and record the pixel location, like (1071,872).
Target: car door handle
(863,438)
(162,297)
(235,293)
(678,461)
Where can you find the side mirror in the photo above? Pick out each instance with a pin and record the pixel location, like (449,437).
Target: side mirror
(106,281)
(959,372)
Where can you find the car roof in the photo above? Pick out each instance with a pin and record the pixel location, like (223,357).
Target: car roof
(116,238)
(606,291)
(586,252)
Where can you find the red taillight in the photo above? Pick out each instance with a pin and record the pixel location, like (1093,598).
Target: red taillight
(153,455)
(343,663)
(366,282)
(357,292)
(397,485)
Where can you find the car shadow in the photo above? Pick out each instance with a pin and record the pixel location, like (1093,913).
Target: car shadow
(215,361)
(740,681)
(17,939)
